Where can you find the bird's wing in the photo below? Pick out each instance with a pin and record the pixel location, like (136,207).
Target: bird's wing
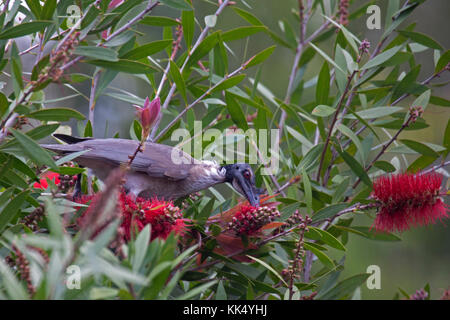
(156,160)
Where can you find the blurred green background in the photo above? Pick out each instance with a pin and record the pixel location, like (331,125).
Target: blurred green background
(423,255)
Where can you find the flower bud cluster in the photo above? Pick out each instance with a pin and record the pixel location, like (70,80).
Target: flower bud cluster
(343,11)
(32,220)
(249,220)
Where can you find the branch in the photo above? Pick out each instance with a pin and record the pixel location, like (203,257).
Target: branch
(174,86)
(141,15)
(333,122)
(410,119)
(92,99)
(353,208)
(207,92)
(443,164)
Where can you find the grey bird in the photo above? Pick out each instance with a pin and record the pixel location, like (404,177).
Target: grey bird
(159,171)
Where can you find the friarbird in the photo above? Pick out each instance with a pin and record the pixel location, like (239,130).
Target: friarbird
(159,170)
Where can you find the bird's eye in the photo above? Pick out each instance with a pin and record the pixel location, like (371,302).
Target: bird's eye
(247,175)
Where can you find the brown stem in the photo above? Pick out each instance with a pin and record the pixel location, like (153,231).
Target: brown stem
(202,36)
(333,122)
(385,146)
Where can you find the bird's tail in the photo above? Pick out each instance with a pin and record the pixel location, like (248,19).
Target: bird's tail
(69,139)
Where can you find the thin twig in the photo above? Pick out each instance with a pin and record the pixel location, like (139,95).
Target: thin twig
(385,146)
(174,86)
(207,92)
(149,8)
(333,122)
(92,99)
(443,164)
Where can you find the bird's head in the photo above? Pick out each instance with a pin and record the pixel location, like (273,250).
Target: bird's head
(241,177)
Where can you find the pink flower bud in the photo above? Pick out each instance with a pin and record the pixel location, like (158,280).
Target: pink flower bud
(114,3)
(148,115)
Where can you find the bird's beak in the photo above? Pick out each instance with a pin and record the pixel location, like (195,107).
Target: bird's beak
(247,189)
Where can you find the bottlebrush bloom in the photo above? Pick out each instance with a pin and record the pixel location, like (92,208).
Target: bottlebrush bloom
(43,183)
(148,114)
(163,216)
(408,200)
(249,220)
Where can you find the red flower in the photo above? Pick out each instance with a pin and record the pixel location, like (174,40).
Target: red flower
(43,183)
(408,199)
(137,213)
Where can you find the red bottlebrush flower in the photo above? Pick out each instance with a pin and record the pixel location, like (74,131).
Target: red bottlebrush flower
(249,220)
(163,217)
(148,115)
(43,183)
(408,199)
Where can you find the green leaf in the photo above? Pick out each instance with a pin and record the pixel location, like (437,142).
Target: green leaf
(48,9)
(422,100)
(229,83)
(241,32)
(307,189)
(102,293)
(4,104)
(24,29)
(141,245)
(323,85)
(345,288)
(33,150)
(11,284)
(366,232)
(35,7)
(268,267)
(12,208)
(311,158)
(349,133)
(236,113)
(326,237)
(188,23)
(250,18)
(407,83)
(420,163)
(329,212)
(177,4)
(88,131)
(56,114)
(204,47)
(376,112)
(323,111)
(420,148)
(159,21)
(101,53)
(16,69)
(385,166)
(421,39)
(446,141)
(438,101)
(260,57)
(381,58)
(443,61)
(123,65)
(326,57)
(178,79)
(326,261)
(356,167)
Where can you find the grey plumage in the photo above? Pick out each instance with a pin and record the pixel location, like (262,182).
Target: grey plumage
(159,171)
